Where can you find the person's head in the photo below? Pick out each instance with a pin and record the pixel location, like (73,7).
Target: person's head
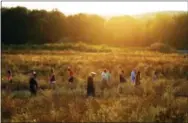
(138,72)
(93,74)
(68,68)
(155,72)
(34,74)
(105,70)
(9,72)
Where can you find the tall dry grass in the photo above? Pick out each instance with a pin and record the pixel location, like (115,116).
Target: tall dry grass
(159,101)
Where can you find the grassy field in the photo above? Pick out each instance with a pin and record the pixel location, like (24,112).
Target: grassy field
(163,100)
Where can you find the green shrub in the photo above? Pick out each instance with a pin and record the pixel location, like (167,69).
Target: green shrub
(161,47)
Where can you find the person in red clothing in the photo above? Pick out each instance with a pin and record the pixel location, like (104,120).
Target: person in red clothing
(9,78)
(71,77)
(52,79)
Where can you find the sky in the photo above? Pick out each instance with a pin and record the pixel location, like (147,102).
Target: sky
(103,8)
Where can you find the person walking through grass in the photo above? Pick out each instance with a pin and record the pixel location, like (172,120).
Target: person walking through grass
(137,79)
(52,79)
(104,83)
(122,81)
(122,77)
(90,85)
(71,78)
(33,84)
(9,78)
(133,76)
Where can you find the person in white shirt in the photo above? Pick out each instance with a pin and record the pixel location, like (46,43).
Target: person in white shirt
(104,83)
(133,76)
(104,75)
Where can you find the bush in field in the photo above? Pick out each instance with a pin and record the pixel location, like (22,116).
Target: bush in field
(80,46)
(161,47)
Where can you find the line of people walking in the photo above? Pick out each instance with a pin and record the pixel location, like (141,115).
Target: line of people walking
(106,78)
(105,82)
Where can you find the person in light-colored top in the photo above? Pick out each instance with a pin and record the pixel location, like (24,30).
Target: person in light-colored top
(133,76)
(104,83)
(104,75)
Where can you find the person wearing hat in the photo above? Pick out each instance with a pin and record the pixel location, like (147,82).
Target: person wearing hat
(90,85)
(33,84)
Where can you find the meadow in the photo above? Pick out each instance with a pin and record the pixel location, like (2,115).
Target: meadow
(164,100)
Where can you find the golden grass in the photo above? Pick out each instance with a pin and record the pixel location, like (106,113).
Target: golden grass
(118,104)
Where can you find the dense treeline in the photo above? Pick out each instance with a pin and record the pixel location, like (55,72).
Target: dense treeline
(20,25)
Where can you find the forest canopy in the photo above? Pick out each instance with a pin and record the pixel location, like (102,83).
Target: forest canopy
(21,25)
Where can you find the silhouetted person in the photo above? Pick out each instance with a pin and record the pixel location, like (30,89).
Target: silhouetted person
(137,80)
(33,84)
(90,85)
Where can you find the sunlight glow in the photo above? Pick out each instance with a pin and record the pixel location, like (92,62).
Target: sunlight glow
(103,8)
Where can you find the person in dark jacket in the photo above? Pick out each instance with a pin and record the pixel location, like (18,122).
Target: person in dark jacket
(90,85)
(33,84)
(122,77)
(137,80)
